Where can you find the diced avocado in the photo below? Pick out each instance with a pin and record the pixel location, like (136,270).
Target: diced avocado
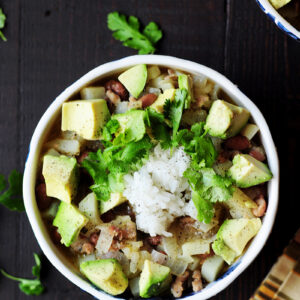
(132,125)
(69,221)
(61,177)
(158,105)
(279,3)
(225,120)
(233,237)
(240,205)
(115,200)
(153,72)
(192,116)
(106,274)
(185,82)
(212,267)
(249,131)
(89,206)
(154,279)
(85,117)
(248,171)
(92,92)
(134,79)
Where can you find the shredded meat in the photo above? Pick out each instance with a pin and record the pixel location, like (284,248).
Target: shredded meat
(94,238)
(197,282)
(154,240)
(83,246)
(186,221)
(178,285)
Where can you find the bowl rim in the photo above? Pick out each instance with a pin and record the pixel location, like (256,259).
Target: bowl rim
(50,250)
(279,20)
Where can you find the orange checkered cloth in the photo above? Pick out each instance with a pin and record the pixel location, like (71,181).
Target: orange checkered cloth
(283,281)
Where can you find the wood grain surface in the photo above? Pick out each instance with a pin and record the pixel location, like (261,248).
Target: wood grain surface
(51,43)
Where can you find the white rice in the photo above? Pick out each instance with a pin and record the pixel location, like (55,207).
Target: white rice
(158,192)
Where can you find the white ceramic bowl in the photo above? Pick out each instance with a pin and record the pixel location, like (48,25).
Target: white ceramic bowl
(281,22)
(50,250)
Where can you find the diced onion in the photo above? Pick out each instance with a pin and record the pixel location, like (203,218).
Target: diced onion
(177,265)
(169,245)
(134,262)
(134,286)
(68,147)
(158,257)
(104,241)
(83,258)
(122,107)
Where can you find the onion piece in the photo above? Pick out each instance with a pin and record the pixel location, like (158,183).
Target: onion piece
(177,265)
(83,258)
(68,147)
(169,245)
(134,286)
(134,262)
(122,107)
(158,257)
(105,240)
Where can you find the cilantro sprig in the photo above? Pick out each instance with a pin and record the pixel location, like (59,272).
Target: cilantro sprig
(29,286)
(2,24)
(12,198)
(128,32)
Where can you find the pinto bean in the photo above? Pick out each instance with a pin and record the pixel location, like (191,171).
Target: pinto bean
(255,191)
(177,287)
(114,98)
(238,142)
(222,156)
(148,99)
(258,153)
(43,201)
(261,208)
(197,282)
(118,88)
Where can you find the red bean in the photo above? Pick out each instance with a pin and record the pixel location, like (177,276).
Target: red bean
(238,142)
(257,153)
(118,88)
(43,201)
(148,99)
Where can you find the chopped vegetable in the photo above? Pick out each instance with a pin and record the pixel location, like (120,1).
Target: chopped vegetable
(128,32)
(12,198)
(30,286)
(2,24)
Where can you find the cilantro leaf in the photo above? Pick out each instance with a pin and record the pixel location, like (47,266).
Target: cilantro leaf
(12,198)
(127,31)
(198,145)
(108,167)
(110,128)
(173,109)
(2,24)
(29,286)
(208,188)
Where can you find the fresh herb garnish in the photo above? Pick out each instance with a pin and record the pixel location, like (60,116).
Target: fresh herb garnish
(207,189)
(30,286)
(12,198)
(198,145)
(128,32)
(173,109)
(108,167)
(2,24)
(110,128)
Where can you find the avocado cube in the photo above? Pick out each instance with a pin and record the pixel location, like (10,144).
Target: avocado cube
(106,274)
(159,103)
(132,126)
(61,177)
(225,120)
(134,79)
(212,267)
(69,221)
(115,200)
(154,280)
(89,206)
(92,92)
(185,82)
(233,237)
(279,3)
(248,171)
(85,117)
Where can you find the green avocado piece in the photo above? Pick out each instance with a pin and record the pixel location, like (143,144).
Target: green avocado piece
(69,221)
(89,206)
(134,79)
(132,126)
(279,3)
(61,177)
(114,200)
(233,236)
(154,280)
(106,274)
(185,82)
(225,120)
(248,171)
(212,267)
(159,103)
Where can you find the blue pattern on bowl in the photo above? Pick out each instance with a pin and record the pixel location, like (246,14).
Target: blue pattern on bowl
(278,23)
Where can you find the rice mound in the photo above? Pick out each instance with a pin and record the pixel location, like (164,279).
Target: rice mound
(158,191)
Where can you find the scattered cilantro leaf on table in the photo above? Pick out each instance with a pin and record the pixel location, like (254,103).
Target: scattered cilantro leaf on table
(12,198)
(2,24)
(128,32)
(207,189)
(30,286)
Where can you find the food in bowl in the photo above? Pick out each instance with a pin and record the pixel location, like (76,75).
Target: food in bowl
(153,182)
(289,9)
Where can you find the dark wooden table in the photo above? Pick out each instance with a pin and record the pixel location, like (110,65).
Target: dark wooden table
(52,43)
